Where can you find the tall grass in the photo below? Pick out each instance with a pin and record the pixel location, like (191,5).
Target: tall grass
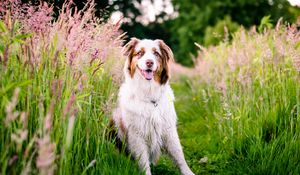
(244,105)
(56,91)
(239,114)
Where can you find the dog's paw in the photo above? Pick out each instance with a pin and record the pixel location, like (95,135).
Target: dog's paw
(187,172)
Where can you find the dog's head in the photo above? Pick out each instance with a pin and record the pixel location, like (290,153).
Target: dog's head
(148,59)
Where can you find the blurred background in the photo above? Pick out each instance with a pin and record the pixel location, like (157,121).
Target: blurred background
(182,23)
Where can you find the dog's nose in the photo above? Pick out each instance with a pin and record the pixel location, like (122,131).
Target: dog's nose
(149,63)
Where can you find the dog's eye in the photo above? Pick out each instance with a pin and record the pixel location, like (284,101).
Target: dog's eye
(140,53)
(156,54)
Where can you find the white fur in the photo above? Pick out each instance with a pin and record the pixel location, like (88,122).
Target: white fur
(149,126)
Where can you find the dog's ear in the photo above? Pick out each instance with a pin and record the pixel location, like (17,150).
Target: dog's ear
(165,50)
(167,56)
(128,48)
(128,51)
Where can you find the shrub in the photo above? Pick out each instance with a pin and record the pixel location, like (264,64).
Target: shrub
(223,29)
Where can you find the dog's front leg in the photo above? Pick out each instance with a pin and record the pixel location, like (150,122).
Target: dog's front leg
(173,147)
(139,151)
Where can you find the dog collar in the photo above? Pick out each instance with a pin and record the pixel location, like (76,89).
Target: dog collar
(154,103)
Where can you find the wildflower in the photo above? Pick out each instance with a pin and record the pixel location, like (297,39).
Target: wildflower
(45,161)
(19,137)
(95,54)
(69,104)
(223,87)
(48,118)
(39,18)
(204,160)
(46,156)
(70,131)
(56,88)
(10,114)
(12,160)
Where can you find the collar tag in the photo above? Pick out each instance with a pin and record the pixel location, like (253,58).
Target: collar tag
(154,103)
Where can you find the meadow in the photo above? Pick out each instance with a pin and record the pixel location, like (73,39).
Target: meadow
(238,108)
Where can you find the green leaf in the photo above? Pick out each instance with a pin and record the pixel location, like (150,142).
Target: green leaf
(14,85)
(266,22)
(20,38)
(2,48)
(3,27)
(83,96)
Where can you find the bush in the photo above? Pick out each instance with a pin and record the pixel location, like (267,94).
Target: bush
(221,31)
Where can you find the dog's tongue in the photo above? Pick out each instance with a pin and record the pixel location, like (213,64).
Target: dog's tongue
(148,75)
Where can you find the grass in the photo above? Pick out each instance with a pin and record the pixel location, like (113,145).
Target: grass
(256,133)
(88,141)
(54,110)
(242,115)
(53,91)
(237,114)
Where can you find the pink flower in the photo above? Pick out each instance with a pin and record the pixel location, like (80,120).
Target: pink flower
(46,156)
(39,18)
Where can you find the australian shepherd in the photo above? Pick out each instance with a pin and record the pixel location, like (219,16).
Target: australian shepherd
(145,116)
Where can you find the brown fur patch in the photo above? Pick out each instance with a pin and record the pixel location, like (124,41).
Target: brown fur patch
(139,53)
(157,75)
(154,49)
(112,135)
(166,56)
(134,59)
(132,66)
(122,126)
(129,51)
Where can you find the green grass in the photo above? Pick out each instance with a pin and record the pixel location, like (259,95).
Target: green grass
(243,114)
(62,92)
(88,138)
(248,132)
(249,125)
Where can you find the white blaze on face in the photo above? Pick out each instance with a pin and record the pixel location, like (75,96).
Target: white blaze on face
(148,47)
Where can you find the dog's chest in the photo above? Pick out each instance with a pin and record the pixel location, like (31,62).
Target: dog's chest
(150,120)
(151,127)
(145,117)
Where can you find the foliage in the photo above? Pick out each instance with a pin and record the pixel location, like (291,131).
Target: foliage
(220,31)
(197,21)
(102,9)
(265,22)
(195,16)
(240,113)
(56,93)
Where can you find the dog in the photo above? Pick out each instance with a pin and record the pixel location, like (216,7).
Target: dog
(145,117)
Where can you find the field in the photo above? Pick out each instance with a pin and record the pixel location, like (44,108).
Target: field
(238,108)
